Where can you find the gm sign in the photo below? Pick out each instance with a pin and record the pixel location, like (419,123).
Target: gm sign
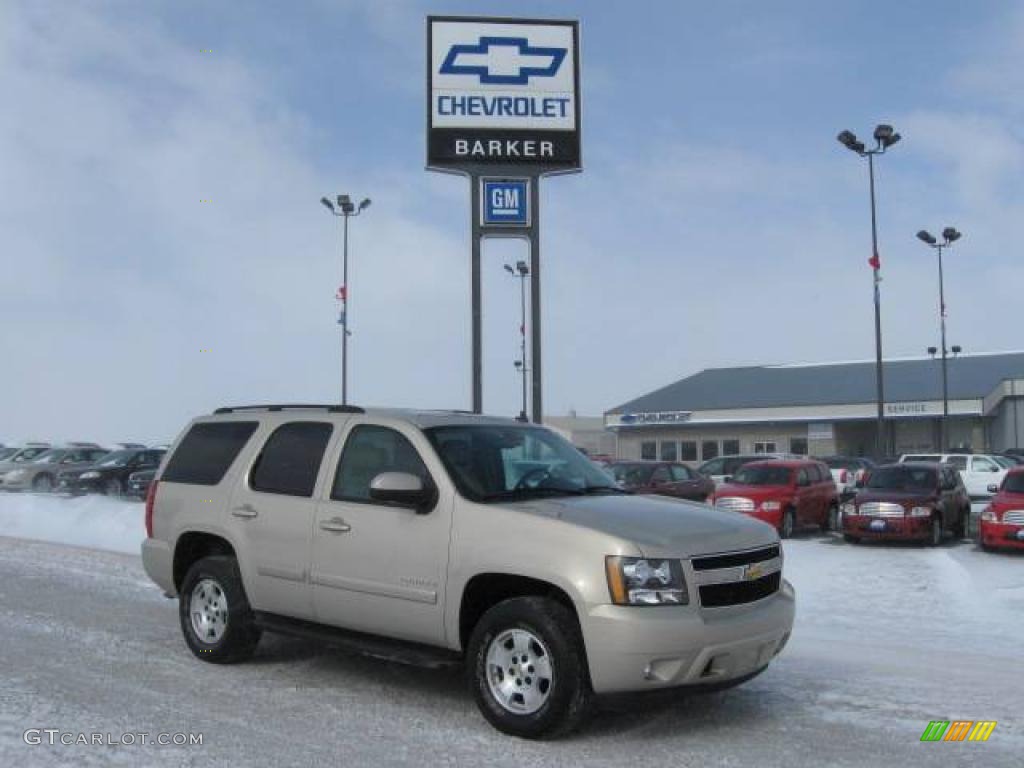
(505,202)
(503,92)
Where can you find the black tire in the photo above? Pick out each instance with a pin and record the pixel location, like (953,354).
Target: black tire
(851,539)
(935,534)
(240,635)
(570,695)
(963,524)
(113,488)
(788,525)
(42,483)
(832,522)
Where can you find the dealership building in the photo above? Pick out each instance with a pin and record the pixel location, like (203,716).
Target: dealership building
(826,409)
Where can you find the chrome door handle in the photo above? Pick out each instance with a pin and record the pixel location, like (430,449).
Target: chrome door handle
(335,525)
(246,510)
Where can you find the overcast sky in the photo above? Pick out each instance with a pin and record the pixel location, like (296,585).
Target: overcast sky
(717,221)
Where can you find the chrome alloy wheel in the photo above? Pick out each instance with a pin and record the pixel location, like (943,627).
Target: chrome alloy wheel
(519,672)
(209,610)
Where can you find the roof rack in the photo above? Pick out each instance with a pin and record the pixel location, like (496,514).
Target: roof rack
(292,407)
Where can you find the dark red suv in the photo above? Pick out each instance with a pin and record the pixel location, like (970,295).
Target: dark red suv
(663,478)
(1002,522)
(918,501)
(786,493)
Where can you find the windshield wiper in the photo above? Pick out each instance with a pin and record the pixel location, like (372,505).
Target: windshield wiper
(605,489)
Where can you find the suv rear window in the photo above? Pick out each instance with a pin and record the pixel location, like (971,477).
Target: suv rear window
(207,451)
(290,459)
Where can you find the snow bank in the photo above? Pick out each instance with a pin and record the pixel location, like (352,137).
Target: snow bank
(86,521)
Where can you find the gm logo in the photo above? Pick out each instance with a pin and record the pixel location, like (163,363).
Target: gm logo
(503,60)
(505,202)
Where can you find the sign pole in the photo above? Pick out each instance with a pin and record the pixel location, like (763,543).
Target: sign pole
(535,335)
(476,290)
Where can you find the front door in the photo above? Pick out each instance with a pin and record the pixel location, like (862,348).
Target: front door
(377,567)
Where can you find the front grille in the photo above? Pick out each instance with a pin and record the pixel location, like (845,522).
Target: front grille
(739,592)
(1015,516)
(732,559)
(881,509)
(734,504)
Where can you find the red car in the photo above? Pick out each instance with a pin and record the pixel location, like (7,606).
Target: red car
(1002,522)
(662,478)
(918,501)
(786,493)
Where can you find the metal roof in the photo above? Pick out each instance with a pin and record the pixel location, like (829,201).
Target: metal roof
(970,377)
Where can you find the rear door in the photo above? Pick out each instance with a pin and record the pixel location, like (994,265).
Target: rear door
(376,567)
(981,473)
(271,516)
(804,498)
(687,483)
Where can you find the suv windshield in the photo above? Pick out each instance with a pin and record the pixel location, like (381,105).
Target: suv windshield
(631,474)
(762,475)
(1014,483)
(492,463)
(903,478)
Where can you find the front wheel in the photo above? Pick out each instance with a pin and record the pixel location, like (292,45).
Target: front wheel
(832,524)
(851,539)
(528,670)
(42,484)
(788,523)
(113,488)
(935,536)
(963,524)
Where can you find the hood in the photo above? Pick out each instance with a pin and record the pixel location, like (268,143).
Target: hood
(1005,501)
(897,497)
(660,526)
(754,492)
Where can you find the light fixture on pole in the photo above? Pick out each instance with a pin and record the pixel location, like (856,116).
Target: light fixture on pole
(885,137)
(521,271)
(949,236)
(345,209)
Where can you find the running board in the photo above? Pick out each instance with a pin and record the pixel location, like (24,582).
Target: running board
(400,651)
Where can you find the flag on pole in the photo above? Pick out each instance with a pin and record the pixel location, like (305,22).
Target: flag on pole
(875,262)
(342,294)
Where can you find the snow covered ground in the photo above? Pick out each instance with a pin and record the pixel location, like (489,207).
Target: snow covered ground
(887,639)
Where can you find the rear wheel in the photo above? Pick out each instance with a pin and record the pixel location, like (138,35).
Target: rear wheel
(832,523)
(963,524)
(528,670)
(788,523)
(214,612)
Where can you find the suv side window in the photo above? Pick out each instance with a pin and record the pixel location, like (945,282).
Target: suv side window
(369,451)
(680,473)
(803,477)
(661,475)
(290,459)
(957,462)
(207,451)
(714,467)
(983,464)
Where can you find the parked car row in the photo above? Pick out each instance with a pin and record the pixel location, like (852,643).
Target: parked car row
(77,468)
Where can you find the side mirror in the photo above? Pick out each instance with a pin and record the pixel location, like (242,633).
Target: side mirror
(993,488)
(403,489)
(727,479)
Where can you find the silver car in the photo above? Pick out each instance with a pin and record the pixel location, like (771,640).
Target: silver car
(40,473)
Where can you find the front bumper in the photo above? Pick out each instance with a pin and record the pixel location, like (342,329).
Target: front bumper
(1001,535)
(15,484)
(76,486)
(634,648)
(894,528)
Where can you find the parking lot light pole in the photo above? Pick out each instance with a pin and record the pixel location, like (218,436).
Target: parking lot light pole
(522,271)
(949,236)
(346,209)
(885,137)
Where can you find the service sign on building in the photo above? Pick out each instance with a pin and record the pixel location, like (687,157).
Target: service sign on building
(503,92)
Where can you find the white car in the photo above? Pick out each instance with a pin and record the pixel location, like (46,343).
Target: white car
(978,471)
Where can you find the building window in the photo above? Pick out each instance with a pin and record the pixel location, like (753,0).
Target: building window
(649,450)
(688,450)
(730,447)
(765,446)
(798,445)
(668,450)
(709,449)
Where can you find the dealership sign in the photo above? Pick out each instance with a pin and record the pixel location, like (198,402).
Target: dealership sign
(653,417)
(502,92)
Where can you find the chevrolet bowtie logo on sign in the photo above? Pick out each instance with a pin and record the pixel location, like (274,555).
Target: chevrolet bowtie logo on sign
(513,61)
(503,92)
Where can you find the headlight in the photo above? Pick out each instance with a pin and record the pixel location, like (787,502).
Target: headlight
(89,475)
(16,474)
(989,515)
(771,506)
(849,508)
(921,512)
(643,581)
